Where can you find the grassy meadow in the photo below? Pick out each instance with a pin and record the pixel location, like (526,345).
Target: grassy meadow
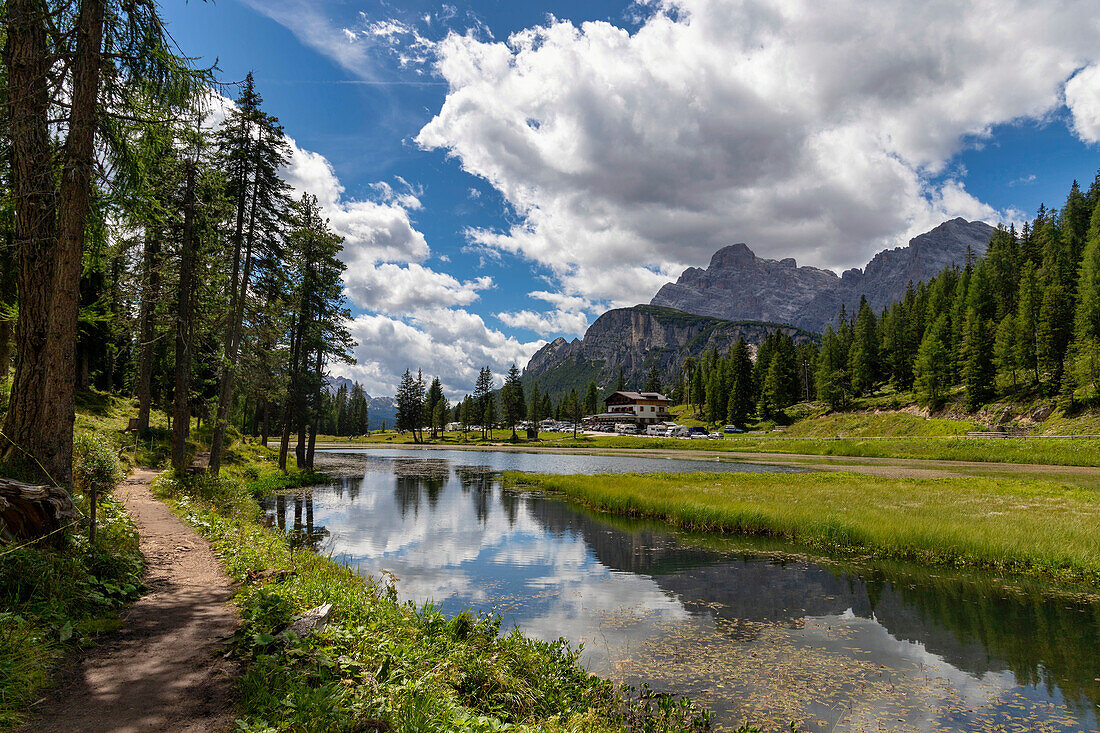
(1020,527)
(1032,450)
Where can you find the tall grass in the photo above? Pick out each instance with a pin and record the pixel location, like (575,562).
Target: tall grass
(1026,527)
(53,600)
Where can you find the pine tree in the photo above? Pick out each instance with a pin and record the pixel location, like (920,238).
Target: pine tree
(410,406)
(1053,334)
(512,399)
(592,399)
(742,397)
(490,414)
(653,380)
(483,392)
(1086,340)
(834,383)
(254,150)
(976,349)
(932,376)
(534,406)
(863,358)
(435,407)
(573,409)
(771,391)
(1028,301)
(1004,349)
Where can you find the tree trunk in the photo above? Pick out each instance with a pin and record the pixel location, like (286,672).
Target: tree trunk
(151,264)
(181,408)
(265,426)
(315,424)
(27,511)
(233,332)
(5,350)
(39,423)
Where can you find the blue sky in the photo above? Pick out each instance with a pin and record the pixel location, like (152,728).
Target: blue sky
(506,171)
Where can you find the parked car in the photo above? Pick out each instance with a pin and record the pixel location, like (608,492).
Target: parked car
(626,428)
(697,430)
(732,429)
(715,436)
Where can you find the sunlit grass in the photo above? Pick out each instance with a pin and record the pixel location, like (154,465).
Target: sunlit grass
(1027,527)
(1044,451)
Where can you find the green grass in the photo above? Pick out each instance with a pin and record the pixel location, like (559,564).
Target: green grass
(55,600)
(867,424)
(1020,527)
(1044,451)
(381,661)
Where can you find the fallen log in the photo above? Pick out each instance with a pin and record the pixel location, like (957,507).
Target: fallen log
(28,511)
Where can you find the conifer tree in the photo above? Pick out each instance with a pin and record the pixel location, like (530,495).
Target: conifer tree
(931,373)
(534,405)
(592,399)
(512,399)
(1086,340)
(863,358)
(435,406)
(254,150)
(741,397)
(483,392)
(1028,301)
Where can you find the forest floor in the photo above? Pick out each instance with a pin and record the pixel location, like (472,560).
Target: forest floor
(165,670)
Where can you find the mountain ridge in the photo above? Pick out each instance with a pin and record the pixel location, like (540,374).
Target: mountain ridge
(738,285)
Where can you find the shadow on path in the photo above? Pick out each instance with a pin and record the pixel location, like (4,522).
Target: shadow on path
(164,670)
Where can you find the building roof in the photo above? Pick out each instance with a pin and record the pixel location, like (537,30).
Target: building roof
(656,396)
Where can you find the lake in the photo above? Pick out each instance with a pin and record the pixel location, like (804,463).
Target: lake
(750,628)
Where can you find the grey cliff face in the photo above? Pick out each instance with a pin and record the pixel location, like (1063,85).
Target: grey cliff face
(637,339)
(738,285)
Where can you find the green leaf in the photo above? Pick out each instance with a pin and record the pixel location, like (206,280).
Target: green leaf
(67,631)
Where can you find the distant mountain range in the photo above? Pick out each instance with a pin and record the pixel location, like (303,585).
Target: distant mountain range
(739,286)
(740,295)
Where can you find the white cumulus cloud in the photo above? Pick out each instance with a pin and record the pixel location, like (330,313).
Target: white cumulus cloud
(1083,100)
(807,129)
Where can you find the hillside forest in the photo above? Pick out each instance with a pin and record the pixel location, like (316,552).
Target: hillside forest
(1020,321)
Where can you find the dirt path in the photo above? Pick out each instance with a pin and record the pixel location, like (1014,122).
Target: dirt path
(164,670)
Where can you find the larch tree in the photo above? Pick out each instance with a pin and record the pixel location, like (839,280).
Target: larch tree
(82,65)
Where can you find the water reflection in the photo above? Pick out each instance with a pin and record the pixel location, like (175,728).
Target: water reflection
(301,533)
(769,639)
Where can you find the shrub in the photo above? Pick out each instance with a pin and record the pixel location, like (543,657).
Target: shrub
(96,471)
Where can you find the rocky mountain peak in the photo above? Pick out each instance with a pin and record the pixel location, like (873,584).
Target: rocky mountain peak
(738,285)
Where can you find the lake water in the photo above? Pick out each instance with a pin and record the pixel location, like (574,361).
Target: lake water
(738,625)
